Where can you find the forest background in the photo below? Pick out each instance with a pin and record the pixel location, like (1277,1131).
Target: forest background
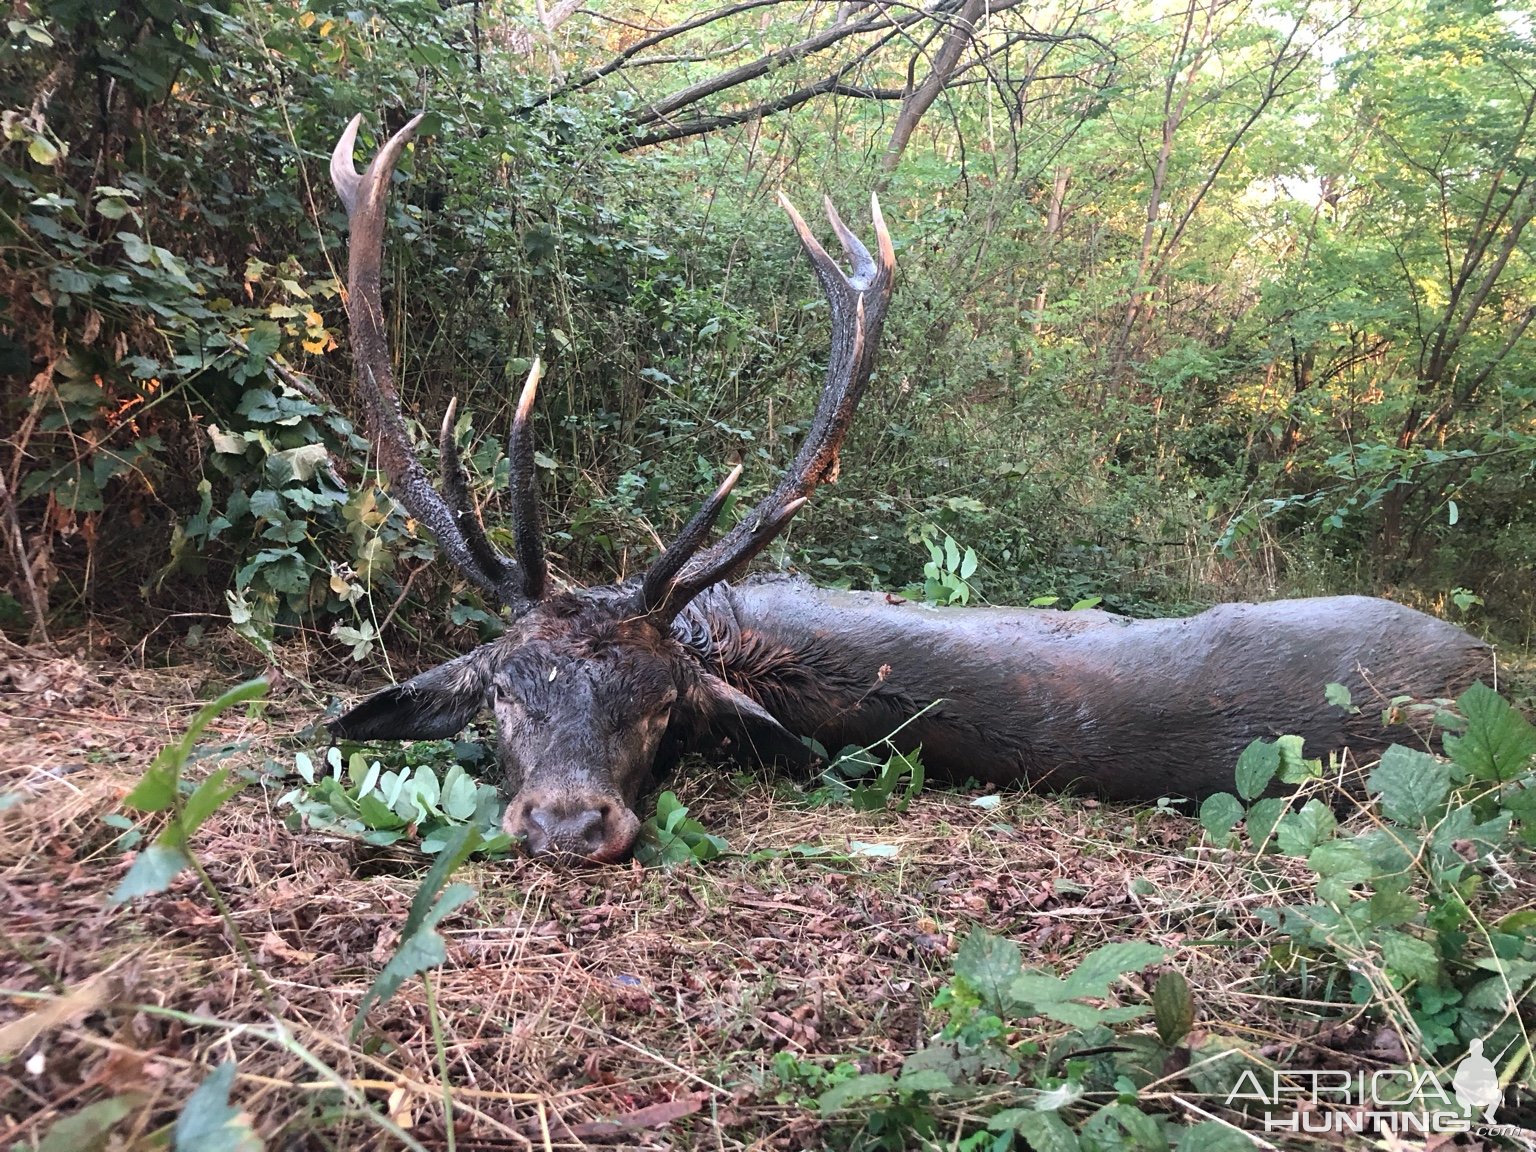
(1197,299)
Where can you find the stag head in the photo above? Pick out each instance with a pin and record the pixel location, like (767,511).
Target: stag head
(590,688)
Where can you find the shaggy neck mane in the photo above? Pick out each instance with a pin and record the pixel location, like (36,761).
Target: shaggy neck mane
(806,686)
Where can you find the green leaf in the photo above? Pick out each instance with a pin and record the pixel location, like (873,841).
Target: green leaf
(203,803)
(240,694)
(426,788)
(152,871)
(1300,832)
(1046,1132)
(1263,816)
(925,1080)
(1412,785)
(137,249)
(1411,957)
(1173,1008)
(667,804)
(1211,1136)
(1084,1016)
(1389,906)
(1339,696)
(42,151)
(461,844)
(370,779)
(209,1123)
(264,340)
(391,784)
(1032,988)
(989,965)
(1122,1127)
(1005,1120)
(1104,965)
(156,789)
(855,1090)
(229,443)
(89,1127)
(377,814)
(459,794)
(420,946)
(1499,742)
(296,464)
(1521,923)
(1341,860)
(1219,814)
(419,950)
(1256,768)
(1515,972)
(1295,768)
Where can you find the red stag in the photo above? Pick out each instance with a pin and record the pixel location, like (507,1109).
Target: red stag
(593,688)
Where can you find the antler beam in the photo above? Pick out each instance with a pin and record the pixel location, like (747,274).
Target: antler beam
(858,303)
(449,515)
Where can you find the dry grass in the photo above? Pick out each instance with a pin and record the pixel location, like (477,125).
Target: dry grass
(578,1007)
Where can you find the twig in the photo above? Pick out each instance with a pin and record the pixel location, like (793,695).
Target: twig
(19,546)
(442,1058)
(297,383)
(1199,1111)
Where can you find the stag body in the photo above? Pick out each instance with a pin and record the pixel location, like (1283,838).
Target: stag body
(593,688)
(1129,709)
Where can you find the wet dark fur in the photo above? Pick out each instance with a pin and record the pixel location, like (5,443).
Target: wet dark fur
(1133,709)
(591,697)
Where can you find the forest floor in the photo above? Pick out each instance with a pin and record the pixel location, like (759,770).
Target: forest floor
(578,1006)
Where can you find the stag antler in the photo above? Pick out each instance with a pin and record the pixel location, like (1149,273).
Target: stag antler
(450,515)
(858,303)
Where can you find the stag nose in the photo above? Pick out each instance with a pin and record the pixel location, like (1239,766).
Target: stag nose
(590,826)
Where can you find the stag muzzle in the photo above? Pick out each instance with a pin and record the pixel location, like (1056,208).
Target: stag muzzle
(587,825)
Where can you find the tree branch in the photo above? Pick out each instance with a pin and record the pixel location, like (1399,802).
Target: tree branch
(826,38)
(587,79)
(973,14)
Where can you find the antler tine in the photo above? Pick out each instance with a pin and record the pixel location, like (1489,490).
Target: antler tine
(523,481)
(452,521)
(658,587)
(863,263)
(759,531)
(857,304)
(455,486)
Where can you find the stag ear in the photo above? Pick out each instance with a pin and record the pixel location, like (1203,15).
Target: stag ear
(757,730)
(433,706)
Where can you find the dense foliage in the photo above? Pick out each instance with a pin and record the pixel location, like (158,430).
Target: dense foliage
(1195,299)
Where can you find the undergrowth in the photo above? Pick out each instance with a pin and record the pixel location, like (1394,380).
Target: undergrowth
(1396,911)
(1406,916)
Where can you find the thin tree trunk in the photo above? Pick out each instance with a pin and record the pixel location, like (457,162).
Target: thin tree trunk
(1053,224)
(970,17)
(1175,101)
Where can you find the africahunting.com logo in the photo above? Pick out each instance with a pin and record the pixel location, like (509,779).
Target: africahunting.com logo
(1397,1100)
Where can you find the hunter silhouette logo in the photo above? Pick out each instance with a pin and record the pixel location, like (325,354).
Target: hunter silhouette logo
(1405,1101)
(1476,1083)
